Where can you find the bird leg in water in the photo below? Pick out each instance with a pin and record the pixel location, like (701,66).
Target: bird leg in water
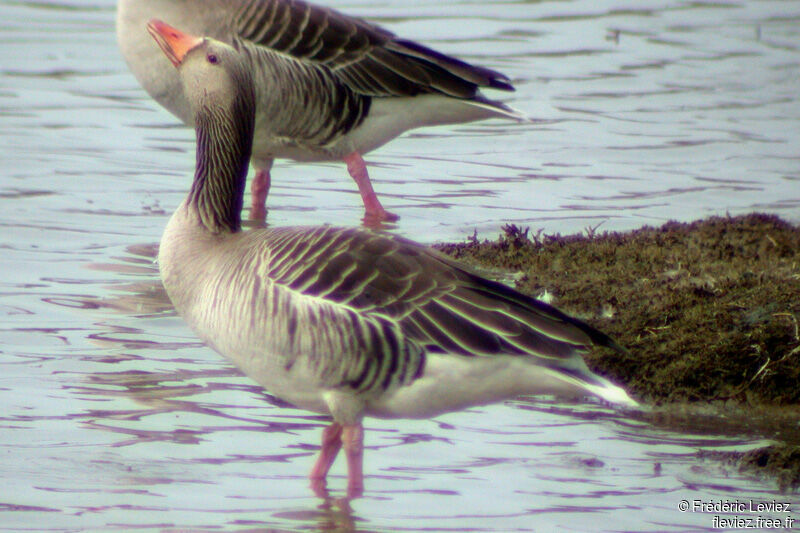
(259,188)
(331,444)
(358,170)
(353,439)
(333,438)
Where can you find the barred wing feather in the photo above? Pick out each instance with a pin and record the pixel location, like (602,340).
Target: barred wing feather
(435,302)
(369,354)
(364,56)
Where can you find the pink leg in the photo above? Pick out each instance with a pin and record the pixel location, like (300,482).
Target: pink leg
(259,188)
(353,438)
(331,444)
(374,210)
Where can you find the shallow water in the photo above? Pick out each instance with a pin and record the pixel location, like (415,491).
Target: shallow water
(112,415)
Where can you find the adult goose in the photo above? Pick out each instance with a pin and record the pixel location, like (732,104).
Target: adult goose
(327,86)
(347,322)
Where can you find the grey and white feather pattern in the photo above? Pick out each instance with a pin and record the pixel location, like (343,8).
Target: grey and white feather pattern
(310,65)
(328,86)
(315,109)
(410,295)
(369,58)
(341,346)
(346,322)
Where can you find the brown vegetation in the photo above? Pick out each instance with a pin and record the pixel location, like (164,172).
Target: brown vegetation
(708,311)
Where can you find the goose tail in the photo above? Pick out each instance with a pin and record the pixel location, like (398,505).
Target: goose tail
(611,393)
(500,109)
(578,377)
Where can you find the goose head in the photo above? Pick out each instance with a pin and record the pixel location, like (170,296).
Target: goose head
(217,83)
(213,73)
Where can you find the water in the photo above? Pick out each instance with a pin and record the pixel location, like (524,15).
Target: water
(113,416)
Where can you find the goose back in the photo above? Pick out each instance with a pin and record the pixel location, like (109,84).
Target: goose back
(365,58)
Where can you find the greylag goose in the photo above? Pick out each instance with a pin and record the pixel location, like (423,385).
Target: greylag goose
(347,322)
(328,86)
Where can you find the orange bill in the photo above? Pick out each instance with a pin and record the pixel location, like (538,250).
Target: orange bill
(172,41)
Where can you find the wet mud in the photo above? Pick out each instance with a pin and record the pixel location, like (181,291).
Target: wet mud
(707,310)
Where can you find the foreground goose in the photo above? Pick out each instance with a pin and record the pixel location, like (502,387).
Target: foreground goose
(327,86)
(344,322)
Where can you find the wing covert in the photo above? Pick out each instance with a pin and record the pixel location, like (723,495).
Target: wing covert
(435,301)
(366,57)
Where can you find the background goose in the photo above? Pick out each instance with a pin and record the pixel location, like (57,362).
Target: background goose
(328,86)
(344,322)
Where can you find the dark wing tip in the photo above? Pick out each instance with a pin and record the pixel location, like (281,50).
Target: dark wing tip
(595,336)
(480,76)
(504,84)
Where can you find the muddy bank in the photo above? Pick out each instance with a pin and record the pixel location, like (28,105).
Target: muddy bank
(709,312)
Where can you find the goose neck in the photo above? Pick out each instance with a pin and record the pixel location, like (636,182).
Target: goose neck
(224,145)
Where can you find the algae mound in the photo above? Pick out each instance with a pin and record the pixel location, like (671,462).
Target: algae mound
(708,310)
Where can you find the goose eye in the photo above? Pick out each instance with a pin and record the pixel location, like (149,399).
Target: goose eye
(212,59)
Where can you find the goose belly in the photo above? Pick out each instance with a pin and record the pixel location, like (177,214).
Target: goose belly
(246,337)
(215,288)
(451,383)
(296,384)
(388,118)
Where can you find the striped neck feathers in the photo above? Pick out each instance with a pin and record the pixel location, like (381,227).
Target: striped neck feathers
(224,144)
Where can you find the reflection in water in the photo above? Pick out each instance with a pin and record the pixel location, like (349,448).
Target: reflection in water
(170,420)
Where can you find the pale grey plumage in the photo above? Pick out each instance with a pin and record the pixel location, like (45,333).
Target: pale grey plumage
(327,85)
(312,109)
(373,60)
(303,56)
(345,321)
(338,344)
(353,295)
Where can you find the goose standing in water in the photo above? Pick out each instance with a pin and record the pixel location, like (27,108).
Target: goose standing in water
(345,322)
(327,86)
